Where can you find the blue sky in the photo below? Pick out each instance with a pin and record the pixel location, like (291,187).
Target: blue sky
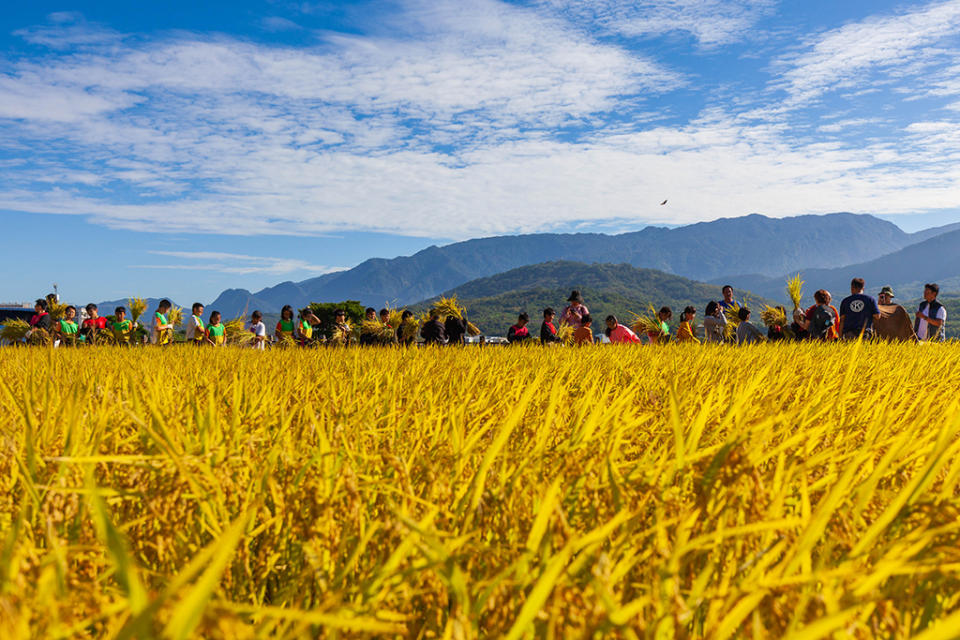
(183,148)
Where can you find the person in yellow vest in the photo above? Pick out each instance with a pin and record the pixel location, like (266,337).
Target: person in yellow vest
(305,327)
(196,332)
(216,330)
(66,329)
(161,333)
(685,332)
(121,326)
(286,326)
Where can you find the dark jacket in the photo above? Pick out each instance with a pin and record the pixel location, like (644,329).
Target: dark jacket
(455,328)
(548,333)
(433,332)
(41,321)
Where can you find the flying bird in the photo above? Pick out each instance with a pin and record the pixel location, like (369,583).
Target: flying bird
(663,203)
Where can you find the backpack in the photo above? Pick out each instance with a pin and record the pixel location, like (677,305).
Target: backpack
(821,322)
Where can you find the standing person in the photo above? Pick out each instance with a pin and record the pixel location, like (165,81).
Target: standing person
(259,331)
(573,313)
(121,326)
(41,319)
(368,338)
(216,331)
(548,332)
(858,313)
(286,327)
(728,301)
(196,332)
(385,318)
(655,337)
(305,326)
(66,329)
(93,324)
(618,333)
(456,329)
(433,331)
(341,335)
(406,337)
(686,332)
(584,334)
(519,332)
(931,317)
(161,332)
(746,332)
(822,318)
(714,323)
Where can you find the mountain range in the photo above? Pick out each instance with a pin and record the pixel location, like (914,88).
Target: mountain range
(754,244)
(494,302)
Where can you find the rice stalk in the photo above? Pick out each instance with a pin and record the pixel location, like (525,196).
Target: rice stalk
(795,290)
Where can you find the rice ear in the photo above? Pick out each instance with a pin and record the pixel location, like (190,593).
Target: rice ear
(795,290)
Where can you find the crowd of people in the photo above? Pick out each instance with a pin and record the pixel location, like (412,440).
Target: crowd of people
(728,321)
(725,321)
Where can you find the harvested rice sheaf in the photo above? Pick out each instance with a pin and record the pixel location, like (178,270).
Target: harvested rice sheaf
(795,290)
(137,307)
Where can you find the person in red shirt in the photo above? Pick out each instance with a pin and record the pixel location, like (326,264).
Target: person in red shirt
(548,332)
(519,332)
(94,323)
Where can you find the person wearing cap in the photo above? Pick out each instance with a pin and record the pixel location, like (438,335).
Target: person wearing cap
(573,313)
(886,295)
(894,322)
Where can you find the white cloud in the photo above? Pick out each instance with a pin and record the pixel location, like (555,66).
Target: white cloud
(710,22)
(235,263)
(902,45)
(451,133)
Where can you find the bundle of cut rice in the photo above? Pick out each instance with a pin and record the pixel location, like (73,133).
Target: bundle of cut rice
(394,317)
(795,290)
(379,332)
(733,320)
(565,333)
(40,336)
(235,332)
(409,329)
(14,330)
(342,335)
(647,323)
(175,316)
(56,309)
(451,307)
(774,316)
(137,307)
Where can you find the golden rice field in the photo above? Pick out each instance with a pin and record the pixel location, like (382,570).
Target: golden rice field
(639,492)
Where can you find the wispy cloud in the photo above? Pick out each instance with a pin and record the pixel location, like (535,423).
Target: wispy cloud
(901,45)
(235,263)
(711,23)
(473,119)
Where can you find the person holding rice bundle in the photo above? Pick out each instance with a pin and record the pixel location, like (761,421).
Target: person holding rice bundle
(66,328)
(433,331)
(686,332)
(121,326)
(407,331)
(285,325)
(94,323)
(574,312)
(663,335)
(196,333)
(216,330)
(161,332)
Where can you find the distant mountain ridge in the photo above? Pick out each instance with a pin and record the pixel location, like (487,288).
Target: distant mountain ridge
(936,259)
(703,251)
(619,289)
